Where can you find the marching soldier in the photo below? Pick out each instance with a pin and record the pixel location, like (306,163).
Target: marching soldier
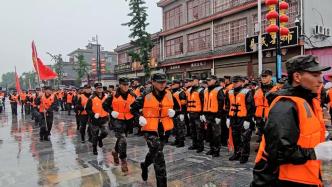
(13,98)
(241,111)
(118,105)
(293,145)
(69,101)
(98,116)
(22,97)
(195,108)
(75,103)
(187,85)
(137,87)
(179,124)
(261,101)
(158,109)
(82,113)
(213,111)
(47,103)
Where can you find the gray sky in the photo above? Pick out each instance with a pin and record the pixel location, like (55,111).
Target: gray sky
(61,26)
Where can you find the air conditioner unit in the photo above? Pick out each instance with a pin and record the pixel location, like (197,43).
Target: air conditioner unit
(327,31)
(318,30)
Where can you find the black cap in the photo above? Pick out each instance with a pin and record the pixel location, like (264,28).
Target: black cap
(110,86)
(47,88)
(188,79)
(194,77)
(212,77)
(124,81)
(227,77)
(221,79)
(267,72)
(176,81)
(237,78)
(87,86)
(307,63)
(158,77)
(98,85)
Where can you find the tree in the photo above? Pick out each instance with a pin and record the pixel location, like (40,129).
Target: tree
(140,37)
(81,67)
(58,66)
(8,80)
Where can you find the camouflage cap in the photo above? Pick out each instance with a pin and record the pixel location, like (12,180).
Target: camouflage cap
(307,63)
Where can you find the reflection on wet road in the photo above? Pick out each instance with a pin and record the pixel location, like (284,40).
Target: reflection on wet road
(65,161)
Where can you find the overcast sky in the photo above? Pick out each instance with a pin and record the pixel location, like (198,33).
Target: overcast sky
(61,26)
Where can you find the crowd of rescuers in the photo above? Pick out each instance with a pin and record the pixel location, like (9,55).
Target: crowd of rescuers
(286,116)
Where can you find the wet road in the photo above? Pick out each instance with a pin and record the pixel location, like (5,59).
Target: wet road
(65,161)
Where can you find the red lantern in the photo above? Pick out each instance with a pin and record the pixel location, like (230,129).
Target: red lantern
(283,20)
(272,30)
(283,6)
(272,16)
(284,33)
(271,4)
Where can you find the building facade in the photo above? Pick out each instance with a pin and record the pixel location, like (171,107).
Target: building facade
(204,37)
(127,68)
(90,55)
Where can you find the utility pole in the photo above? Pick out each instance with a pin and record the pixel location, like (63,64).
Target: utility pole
(260,52)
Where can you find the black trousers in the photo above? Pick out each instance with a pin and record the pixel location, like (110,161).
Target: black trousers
(84,126)
(241,137)
(120,129)
(99,132)
(197,130)
(155,156)
(45,125)
(14,108)
(224,131)
(213,132)
(179,129)
(68,107)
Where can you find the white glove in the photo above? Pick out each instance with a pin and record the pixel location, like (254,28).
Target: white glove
(114,114)
(217,120)
(142,121)
(202,118)
(246,125)
(171,113)
(97,115)
(323,151)
(188,116)
(327,134)
(228,122)
(181,116)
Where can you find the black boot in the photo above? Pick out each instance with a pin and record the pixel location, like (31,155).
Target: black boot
(234,157)
(199,150)
(215,154)
(145,172)
(180,144)
(209,152)
(100,143)
(95,152)
(243,160)
(192,147)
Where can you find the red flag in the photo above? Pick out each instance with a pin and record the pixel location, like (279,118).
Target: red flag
(18,86)
(43,72)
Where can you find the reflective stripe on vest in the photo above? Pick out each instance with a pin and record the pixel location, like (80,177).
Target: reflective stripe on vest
(238,103)
(97,106)
(123,106)
(211,100)
(84,101)
(194,102)
(155,112)
(312,132)
(46,103)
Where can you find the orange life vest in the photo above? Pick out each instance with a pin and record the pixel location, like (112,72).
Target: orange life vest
(84,101)
(180,102)
(155,112)
(238,103)
(97,106)
(137,91)
(46,103)
(123,106)
(261,103)
(211,100)
(23,96)
(13,98)
(194,101)
(312,132)
(70,98)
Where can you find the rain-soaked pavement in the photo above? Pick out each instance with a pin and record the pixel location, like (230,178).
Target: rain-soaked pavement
(65,161)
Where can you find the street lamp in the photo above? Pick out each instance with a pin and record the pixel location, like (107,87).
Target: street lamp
(95,39)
